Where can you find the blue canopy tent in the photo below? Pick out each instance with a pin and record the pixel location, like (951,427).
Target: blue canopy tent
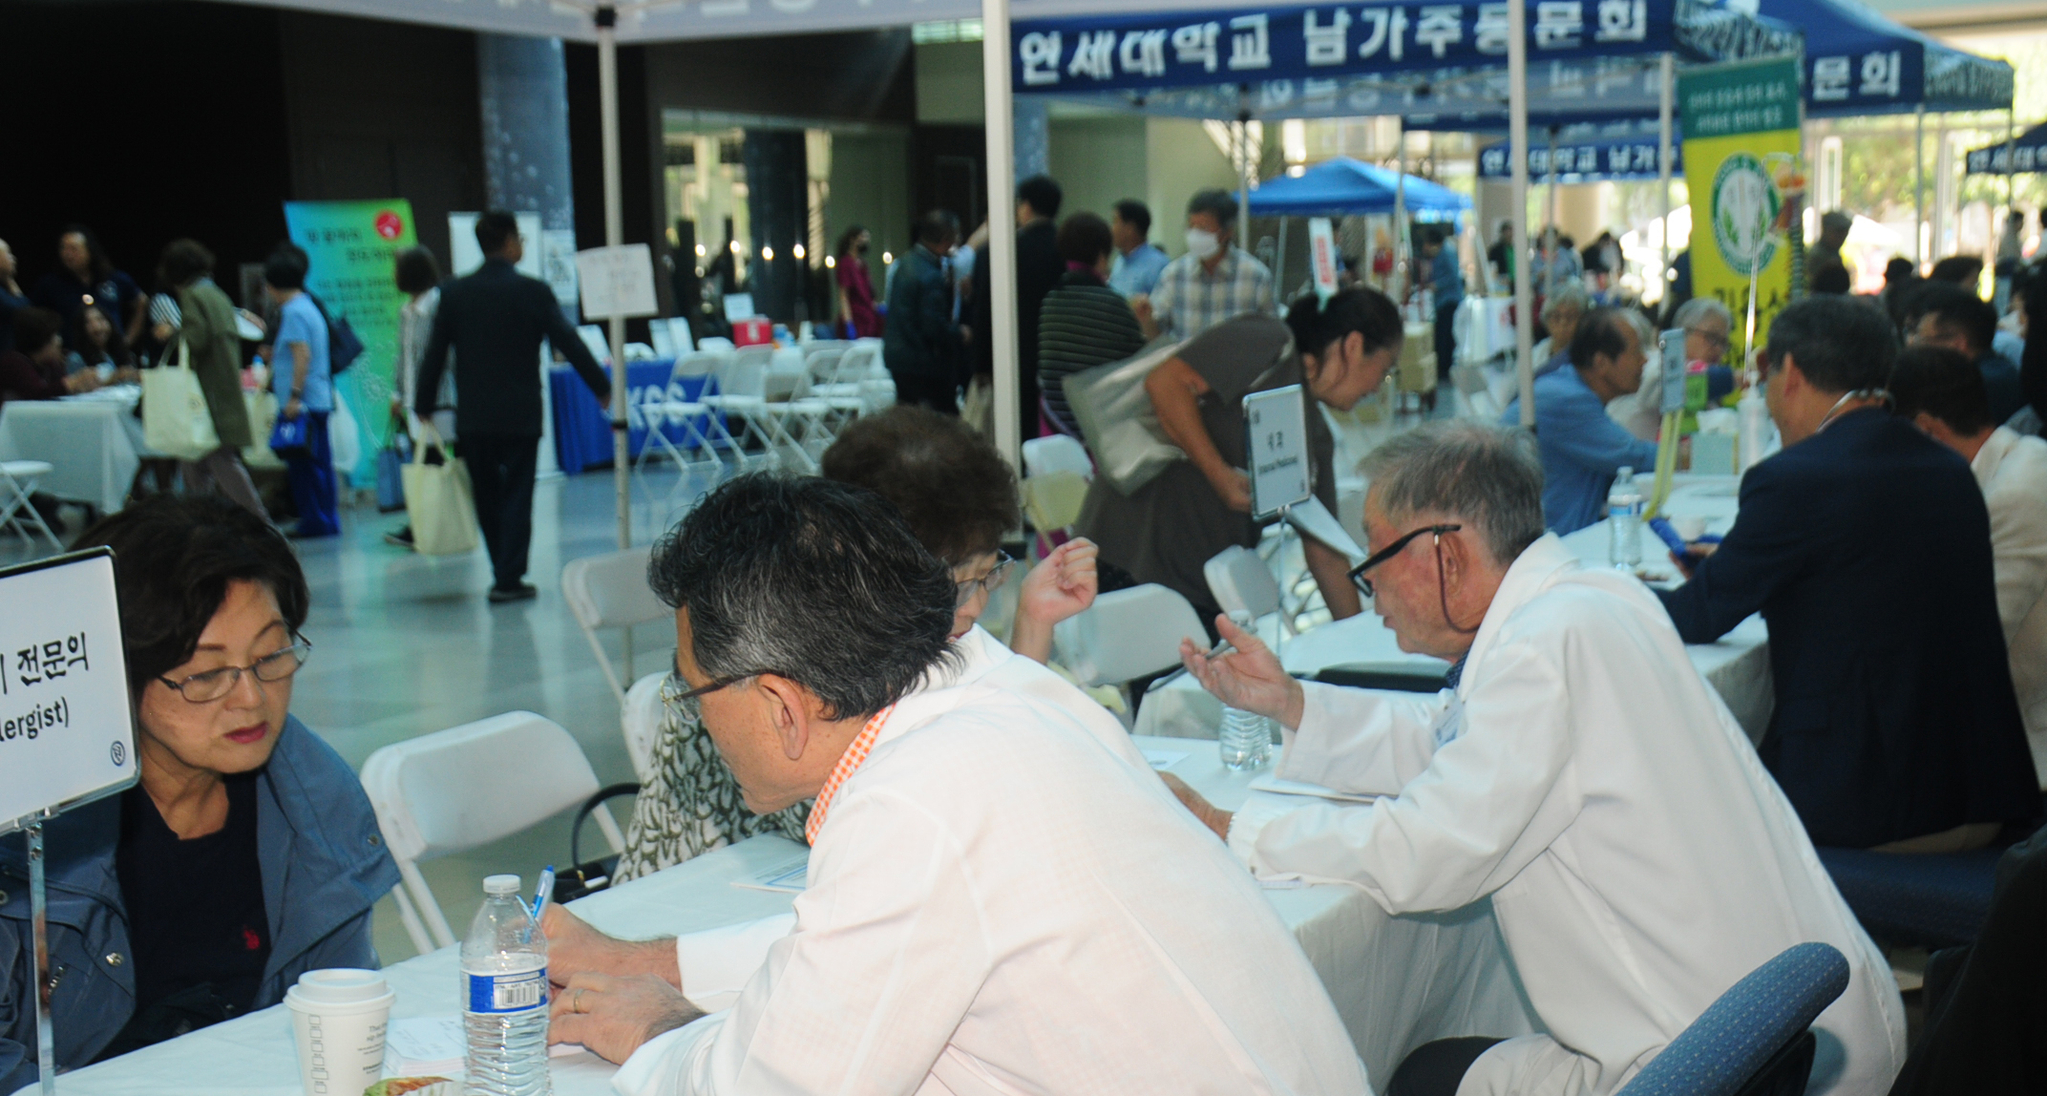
(2022,154)
(1345,186)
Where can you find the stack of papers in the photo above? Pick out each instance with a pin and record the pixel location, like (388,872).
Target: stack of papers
(1270,783)
(787,877)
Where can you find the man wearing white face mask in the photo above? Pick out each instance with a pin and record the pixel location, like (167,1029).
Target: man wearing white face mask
(1213,282)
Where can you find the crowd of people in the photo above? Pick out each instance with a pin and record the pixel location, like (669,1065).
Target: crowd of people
(981,829)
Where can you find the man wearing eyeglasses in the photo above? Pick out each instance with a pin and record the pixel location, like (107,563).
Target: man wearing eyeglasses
(995,901)
(1577,770)
(1707,326)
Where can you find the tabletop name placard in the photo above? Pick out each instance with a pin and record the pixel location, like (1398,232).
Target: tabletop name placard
(66,728)
(1276,447)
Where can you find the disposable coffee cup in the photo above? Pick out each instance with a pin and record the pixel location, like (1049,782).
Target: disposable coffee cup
(338,1020)
(1690,527)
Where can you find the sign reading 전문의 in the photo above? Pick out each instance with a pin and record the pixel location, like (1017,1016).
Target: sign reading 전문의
(67,732)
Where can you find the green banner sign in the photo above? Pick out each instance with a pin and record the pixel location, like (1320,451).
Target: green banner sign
(352,249)
(1743,97)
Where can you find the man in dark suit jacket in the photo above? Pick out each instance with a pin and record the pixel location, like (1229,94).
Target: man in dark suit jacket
(921,343)
(1867,548)
(1039,267)
(494,320)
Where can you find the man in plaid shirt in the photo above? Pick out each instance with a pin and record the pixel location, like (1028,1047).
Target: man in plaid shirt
(1214,281)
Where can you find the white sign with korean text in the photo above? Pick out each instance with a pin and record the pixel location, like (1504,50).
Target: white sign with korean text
(617,281)
(1276,447)
(67,732)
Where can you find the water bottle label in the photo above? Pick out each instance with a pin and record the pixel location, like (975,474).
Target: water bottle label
(507,992)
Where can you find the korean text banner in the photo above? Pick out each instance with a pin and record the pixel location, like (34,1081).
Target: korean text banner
(1741,126)
(1581,160)
(1166,49)
(351,249)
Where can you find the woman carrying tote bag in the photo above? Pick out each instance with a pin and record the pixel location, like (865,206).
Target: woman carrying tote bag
(207,327)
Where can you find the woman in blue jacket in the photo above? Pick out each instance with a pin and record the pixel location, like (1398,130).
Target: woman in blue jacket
(247,854)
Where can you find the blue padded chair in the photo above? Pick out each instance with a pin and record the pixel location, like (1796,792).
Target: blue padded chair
(1933,901)
(1756,1039)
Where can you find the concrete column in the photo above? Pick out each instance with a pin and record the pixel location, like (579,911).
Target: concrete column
(1033,137)
(523,87)
(778,214)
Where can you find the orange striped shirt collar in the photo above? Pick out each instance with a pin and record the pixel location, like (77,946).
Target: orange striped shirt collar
(849,762)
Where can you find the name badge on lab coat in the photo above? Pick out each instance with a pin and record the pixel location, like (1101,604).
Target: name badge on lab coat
(1452,723)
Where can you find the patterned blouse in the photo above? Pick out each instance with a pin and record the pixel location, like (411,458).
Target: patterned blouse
(692,805)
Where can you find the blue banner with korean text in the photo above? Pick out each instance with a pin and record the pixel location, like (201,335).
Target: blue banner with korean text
(1165,49)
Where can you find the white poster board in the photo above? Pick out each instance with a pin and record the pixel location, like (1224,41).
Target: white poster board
(617,281)
(1276,448)
(67,731)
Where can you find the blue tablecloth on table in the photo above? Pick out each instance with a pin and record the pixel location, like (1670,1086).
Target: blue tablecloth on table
(582,427)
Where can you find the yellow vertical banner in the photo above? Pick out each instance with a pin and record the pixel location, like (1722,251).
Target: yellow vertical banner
(1741,160)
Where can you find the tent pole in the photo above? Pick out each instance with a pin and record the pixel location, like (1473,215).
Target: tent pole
(1517,137)
(1919,186)
(2011,130)
(1244,171)
(1668,92)
(1279,275)
(1552,233)
(1403,248)
(1000,262)
(614,235)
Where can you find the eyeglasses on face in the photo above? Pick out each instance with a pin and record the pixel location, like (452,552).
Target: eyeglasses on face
(989,582)
(1357,574)
(1717,338)
(211,685)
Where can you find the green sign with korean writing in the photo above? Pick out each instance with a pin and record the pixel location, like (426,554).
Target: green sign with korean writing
(351,251)
(1744,97)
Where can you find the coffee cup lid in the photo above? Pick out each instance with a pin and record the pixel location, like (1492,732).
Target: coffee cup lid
(340,986)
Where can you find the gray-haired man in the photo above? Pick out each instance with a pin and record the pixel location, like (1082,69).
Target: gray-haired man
(1578,771)
(995,902)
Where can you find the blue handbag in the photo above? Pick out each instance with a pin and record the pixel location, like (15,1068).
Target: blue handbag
(391,473)
(290,439)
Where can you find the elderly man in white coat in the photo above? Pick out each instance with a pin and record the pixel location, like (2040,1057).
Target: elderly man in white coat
(1577,770)
(996,902)
(1943,393)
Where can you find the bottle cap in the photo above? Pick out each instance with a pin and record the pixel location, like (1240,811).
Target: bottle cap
(501,884)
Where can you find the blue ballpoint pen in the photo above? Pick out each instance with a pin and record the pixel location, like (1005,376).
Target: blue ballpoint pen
(544,891)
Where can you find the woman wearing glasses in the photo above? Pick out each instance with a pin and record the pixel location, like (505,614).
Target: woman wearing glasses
(247,854)
(959,497)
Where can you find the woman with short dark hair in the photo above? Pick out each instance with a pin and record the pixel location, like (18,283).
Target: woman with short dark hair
(246,855)
(959,498)
(1083,323)
(206,331)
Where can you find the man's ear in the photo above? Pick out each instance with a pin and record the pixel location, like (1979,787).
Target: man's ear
(789,709)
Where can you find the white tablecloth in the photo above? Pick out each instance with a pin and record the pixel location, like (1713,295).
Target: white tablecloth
(1738,666)
(1396,981)
(93,443)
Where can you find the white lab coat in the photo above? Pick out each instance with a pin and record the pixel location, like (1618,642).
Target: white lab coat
(2012,470)
(987,659)
(1000,904)
(1583,775)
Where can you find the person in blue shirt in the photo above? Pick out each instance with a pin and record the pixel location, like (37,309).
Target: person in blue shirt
(1137,263)
(1582,449)
(1446,278)
(304,386)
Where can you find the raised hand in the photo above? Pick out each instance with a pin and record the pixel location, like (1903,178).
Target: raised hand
(1249,677)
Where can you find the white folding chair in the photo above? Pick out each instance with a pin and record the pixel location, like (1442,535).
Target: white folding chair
(715,342)
(703,428)
(454,790)
(742,390)
(1242,582)
(862,367)
(18,482)
(1127,634)
(797,420)
(1057,453)
(611,591)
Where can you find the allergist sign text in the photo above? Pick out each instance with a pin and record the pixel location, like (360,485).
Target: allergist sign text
(67,731)
(1276,444)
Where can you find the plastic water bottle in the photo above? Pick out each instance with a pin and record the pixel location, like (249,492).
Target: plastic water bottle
(504,996)
(1246,739)
(1624,521)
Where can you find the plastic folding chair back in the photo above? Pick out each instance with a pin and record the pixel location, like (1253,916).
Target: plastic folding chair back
(1057,453)
(1052,500)
(454,790)
(611,591)
(17,482)
(1755,1040)
(641,721)
(1242,582)
(1127,634)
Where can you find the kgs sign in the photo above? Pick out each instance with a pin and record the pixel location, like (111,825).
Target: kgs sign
(66,724)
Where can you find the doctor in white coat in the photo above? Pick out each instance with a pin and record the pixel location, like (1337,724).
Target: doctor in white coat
(996,903)
(1578,771)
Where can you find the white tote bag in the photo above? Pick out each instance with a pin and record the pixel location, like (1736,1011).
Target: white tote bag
(175,420)
(439,501)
